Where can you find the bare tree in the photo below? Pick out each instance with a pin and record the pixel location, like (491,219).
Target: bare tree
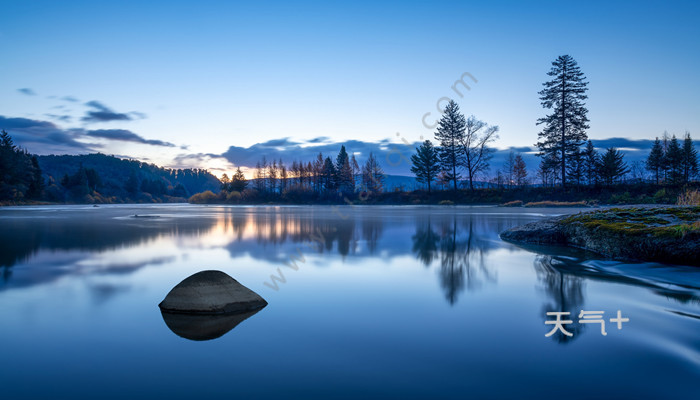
(475,150)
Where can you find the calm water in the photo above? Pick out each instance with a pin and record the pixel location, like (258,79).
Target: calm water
(392,302)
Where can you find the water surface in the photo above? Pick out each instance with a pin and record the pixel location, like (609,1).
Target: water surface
(392,302)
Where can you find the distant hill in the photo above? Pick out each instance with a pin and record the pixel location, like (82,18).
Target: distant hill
(121,179)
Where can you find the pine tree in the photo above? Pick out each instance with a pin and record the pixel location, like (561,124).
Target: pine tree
(591,160)
(612,166)
(689,159)
(318,173)
(519,171)
(372,175)
(565,128)
(238,181)
(674,161)
(575,169)
(655,161)
(329,174)
(426,163)
(344,180)
(450,134)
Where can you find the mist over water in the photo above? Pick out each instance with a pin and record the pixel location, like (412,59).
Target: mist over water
(398,302)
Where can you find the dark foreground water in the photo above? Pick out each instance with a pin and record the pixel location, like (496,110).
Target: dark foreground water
(386,302)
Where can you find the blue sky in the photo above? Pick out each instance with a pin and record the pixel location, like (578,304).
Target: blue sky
(180,82)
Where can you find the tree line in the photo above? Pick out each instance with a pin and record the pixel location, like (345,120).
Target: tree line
(318,179)
(567,157)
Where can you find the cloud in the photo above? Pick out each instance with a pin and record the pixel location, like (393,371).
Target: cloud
(43,137)
(394,156)
(125,136)
(27,91)
(70,99)
(193,160)
(102,113)
(62,118)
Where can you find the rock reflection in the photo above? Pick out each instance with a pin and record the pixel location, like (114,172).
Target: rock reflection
(204,327)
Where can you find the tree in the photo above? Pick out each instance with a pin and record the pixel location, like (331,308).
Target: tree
(328,175)
(576,167)
(565,128)
(344,180)
(450,134)
(612,166)
(674,161)
(591,160)
(655,161)
(548,169)
(272,175)
(283,175)
(318,168)
(519,171)
(259,177)
(509,167)
(225,183)
(238,181)
(689,159)
(426,163)
(372,175)
(474,150)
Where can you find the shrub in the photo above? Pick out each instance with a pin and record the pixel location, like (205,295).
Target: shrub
(624,198)
(689,198)
(203,198)
(233,197)
(514,203)
(660,196)
(447,203)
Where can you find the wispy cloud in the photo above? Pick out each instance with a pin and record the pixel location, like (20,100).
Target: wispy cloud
(27,91)
(125,136)
(61,117)
(43,137)
(102,113)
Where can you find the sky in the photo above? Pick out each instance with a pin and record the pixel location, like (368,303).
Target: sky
(212,83)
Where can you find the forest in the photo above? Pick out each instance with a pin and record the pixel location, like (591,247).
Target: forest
(92,178)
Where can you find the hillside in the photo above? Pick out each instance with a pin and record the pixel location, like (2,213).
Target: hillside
(110,179)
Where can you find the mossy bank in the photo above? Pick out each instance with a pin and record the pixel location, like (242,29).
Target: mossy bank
(663,234)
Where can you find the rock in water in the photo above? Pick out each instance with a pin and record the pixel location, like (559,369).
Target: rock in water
(210,293)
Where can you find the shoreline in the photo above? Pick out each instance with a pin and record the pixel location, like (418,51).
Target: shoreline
(669,234)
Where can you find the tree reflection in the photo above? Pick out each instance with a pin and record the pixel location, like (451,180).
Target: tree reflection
(425,243)
(565,293)
(461,251)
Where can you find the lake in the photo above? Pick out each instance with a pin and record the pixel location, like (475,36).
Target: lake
(369,301)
